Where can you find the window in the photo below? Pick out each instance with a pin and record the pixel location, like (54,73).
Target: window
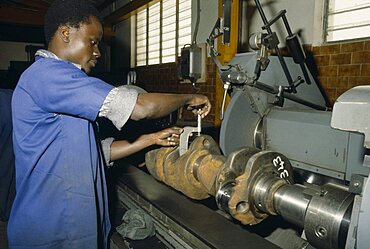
(162,29)
(141,38)
(347,19)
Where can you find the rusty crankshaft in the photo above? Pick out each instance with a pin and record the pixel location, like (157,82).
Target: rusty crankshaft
(243,183)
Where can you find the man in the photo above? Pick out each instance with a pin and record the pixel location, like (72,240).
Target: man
(7,170)
(61,199)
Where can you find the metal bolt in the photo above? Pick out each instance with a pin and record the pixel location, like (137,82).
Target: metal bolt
(206,143)
(356,184)
(321,232)
(323,192)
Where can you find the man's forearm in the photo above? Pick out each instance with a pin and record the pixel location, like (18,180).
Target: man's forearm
(124,148)
(156,105)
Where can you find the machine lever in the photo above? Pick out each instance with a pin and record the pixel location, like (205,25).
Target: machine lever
(226,88)
(273,39)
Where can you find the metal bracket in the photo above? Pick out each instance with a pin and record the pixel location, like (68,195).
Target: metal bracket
(357,183)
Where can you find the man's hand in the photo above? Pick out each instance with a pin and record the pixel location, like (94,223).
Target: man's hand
(167,137)
(199,104)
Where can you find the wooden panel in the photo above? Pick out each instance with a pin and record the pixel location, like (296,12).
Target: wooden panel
(125,11)
(24,12)
(21,16)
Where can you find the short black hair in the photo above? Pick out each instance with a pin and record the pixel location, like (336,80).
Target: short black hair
(68,12)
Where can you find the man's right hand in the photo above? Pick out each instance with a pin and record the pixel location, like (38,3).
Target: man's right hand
(199,104)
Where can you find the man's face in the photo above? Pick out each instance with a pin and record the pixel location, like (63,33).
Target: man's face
(83,44)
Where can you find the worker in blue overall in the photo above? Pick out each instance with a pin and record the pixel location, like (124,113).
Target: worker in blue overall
(61,199)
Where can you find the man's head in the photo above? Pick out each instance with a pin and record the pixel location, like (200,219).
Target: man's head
(73,31)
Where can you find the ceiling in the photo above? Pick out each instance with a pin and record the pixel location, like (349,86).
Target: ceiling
(22,20)
(31,12)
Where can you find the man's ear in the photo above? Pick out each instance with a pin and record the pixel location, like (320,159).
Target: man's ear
(63,32)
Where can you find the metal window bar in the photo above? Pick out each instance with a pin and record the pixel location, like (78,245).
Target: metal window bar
(168,27)
(359,7)
(147,35)
(160,30)
(154,34)
(141,37)
(350,26)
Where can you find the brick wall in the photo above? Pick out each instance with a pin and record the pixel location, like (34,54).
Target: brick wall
(164,78)
(343,66)
(340,66)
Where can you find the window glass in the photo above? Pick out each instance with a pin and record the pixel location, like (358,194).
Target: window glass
(161,31)
(347,20)
(154,34)
(141,38)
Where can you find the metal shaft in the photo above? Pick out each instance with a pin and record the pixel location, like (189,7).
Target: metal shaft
(324,212)
(290,202)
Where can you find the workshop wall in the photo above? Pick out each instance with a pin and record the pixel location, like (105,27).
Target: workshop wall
(13,51)
(340,67)
(164,78)
(343,66)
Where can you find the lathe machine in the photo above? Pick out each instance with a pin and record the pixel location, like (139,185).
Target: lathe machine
(282,153)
